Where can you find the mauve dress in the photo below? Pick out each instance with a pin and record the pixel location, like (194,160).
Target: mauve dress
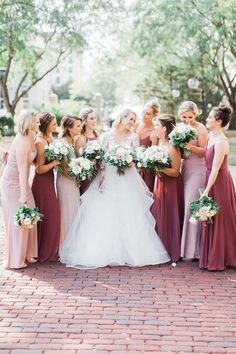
(218,242)
(166,210)
(194,175)
(147,176)
(69,200)
(20,243)
(85,184)
(49,230)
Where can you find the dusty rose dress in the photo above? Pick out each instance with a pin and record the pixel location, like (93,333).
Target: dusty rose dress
(218,243)
(49,230)
(20,243)
(166,210)
(148,177)
(85,184)
(194,175)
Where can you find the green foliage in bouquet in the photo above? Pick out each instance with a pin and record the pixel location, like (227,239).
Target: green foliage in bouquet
(202,210)
(27,217)
(181,135)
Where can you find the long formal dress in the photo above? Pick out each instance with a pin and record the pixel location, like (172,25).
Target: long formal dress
(69,200)
(147,176)
(167,211)
(21,243)
(114,225)
(194,175)
(49,230)
(85,184)
(218,243)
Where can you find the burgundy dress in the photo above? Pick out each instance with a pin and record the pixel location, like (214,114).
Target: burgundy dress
(49,229)
(85,184)
(218,242)
(148,177)
(167,211)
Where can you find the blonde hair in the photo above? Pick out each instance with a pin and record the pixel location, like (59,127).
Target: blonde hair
(125,113)
(188,106)
(154,105)
(25,122)
(83,115)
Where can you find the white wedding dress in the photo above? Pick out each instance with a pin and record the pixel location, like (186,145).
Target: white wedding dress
(114,225)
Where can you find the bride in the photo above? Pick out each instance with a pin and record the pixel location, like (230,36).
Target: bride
(114,225)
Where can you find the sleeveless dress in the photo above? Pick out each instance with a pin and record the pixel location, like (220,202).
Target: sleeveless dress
(194,175)
(43,189)
(69,199)
(20,243)
(147,176)
(114,225)
(167,211)
(85,184)
(218,243)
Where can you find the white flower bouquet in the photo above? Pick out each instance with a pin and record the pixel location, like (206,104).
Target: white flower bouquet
(27,217)
(81,169)
(92,150)
(138,156)
(202,210)
(156,158)
(181,135)
(58,150)
(120,157)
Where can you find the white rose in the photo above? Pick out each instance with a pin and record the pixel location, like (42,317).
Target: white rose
(27,221)
(76,170)
(129,159)
(63,150)
(56,150)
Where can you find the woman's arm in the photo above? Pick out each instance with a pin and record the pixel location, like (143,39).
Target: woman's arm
(221,148)
(175,157)
(41,167)
(202,142)
(22,152)
(79,143)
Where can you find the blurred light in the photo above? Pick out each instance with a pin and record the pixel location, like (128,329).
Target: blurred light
(175,93)
(193,83)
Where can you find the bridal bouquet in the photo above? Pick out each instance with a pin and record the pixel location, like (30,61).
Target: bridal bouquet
(181,135)
(156,158)
(120,157)
(81,169)
(27,217)
(202,210)
(58,150)
(92,150)
(138,156)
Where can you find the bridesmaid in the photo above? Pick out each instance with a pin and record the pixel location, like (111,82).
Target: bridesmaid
(146,136)
(166,208)
(194,174)
(21,243)
(44,193)
(218,243)
(68,192)
(89,133)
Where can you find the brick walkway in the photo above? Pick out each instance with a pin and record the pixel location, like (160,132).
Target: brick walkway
(50,309)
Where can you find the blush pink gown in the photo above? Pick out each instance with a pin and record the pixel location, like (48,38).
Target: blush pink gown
(148,177)
(194,175)
(218,242)
(20,243)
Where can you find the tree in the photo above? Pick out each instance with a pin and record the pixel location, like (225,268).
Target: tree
(189,38)
(33,32)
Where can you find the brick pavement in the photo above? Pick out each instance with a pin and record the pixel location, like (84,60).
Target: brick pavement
(53,309)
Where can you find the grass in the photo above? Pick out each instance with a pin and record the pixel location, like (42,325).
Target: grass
(232,151)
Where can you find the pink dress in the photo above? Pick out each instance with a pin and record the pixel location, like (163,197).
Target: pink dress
(49,230)
(148,177)
(194,175)
(166,210)
(218,243)
(20,243)
(85,184)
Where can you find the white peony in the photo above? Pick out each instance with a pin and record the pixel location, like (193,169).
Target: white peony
(63,150)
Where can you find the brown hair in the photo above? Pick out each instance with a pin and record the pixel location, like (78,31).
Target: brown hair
(154,105)
(168,121)
(222,113)
(45,119)
(67,122)
(83,115)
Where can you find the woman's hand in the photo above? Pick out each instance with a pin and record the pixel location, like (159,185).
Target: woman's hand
(188,147)
(55,163)
(22,200)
